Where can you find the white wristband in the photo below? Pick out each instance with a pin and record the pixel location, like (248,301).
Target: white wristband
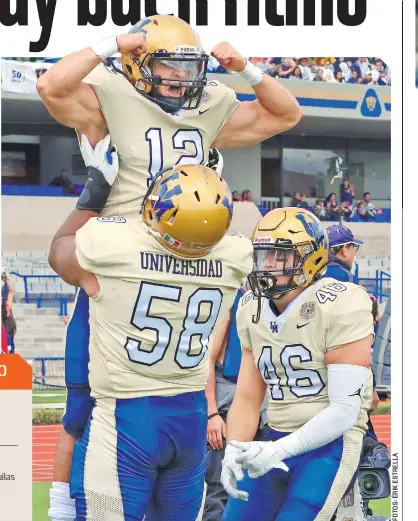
(251,74)
(105,48)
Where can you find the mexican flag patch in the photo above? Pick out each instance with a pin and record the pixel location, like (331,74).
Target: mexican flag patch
(172,242)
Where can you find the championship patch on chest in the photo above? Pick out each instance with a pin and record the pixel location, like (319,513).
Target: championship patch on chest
(205,97)
(307,310)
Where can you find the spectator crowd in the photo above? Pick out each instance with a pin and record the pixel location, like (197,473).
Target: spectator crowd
(341,208)
(332,70)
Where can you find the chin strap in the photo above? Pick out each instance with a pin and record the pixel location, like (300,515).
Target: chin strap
(164,103)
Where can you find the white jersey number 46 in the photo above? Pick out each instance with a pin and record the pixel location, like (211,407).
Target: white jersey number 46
(313,383)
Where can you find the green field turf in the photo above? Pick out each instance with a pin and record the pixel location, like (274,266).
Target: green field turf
(48,397)
(41,503)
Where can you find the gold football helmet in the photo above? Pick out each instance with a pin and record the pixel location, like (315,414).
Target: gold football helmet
(188,209)
(173,43)
(290,252)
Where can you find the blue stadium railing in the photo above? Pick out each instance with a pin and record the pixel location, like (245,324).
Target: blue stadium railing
(46,296)
(48,373)
(374,285)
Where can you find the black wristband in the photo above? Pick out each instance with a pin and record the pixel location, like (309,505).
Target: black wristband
(213,415)
(95,192)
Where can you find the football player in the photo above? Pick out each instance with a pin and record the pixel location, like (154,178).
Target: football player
(309,341)
(160,108)
(157,284)
(161,111)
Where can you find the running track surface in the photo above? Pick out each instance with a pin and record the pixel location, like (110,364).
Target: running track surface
(45,440)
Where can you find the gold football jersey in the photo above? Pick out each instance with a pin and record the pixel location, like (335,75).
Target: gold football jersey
(289,349)
(151,323)
(149,139)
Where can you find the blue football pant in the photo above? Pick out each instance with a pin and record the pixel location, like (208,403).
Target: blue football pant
(142,456)
(79,403)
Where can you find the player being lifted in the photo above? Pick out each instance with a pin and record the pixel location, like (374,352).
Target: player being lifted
(309,341)
(157,285)
(160,111)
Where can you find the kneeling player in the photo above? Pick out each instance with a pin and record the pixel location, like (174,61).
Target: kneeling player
(309,340)
(157,285)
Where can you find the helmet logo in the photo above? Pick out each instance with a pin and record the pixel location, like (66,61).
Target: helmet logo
(227,205)
(165,195)
(311,227)
(140,28)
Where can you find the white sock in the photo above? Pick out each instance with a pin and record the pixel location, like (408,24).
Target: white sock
(61,506)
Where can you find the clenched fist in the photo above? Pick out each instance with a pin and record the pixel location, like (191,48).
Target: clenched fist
(135,44)
(229,57)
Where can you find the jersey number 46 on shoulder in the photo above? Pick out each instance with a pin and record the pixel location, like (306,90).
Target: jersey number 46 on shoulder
(323,296)
(192,325)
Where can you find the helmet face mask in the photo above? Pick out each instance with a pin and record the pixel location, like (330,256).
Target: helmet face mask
(277,270)
(172,73)
(290,252)
(186,81)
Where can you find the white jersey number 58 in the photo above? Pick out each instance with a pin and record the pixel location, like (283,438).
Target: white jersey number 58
(191,324)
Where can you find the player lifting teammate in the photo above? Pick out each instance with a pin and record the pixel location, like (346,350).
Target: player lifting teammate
(309,341)
(160,111)
(157,285)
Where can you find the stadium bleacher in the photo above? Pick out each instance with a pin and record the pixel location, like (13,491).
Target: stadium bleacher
(37,304)
(41,331)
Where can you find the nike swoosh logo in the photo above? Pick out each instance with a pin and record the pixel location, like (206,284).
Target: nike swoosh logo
(303,325)
(203,111)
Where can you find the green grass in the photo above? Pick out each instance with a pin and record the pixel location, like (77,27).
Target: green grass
(47,416)
(40,503)
(383,408)
(380,506)
(42,397)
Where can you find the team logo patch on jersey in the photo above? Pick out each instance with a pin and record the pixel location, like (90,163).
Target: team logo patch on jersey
(274,328)
(307,310)
(172,242)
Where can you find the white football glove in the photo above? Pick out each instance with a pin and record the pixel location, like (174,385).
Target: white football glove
(232,472)
(61,506)
(215,161)
(258,457)
(102,164)
(103,157)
